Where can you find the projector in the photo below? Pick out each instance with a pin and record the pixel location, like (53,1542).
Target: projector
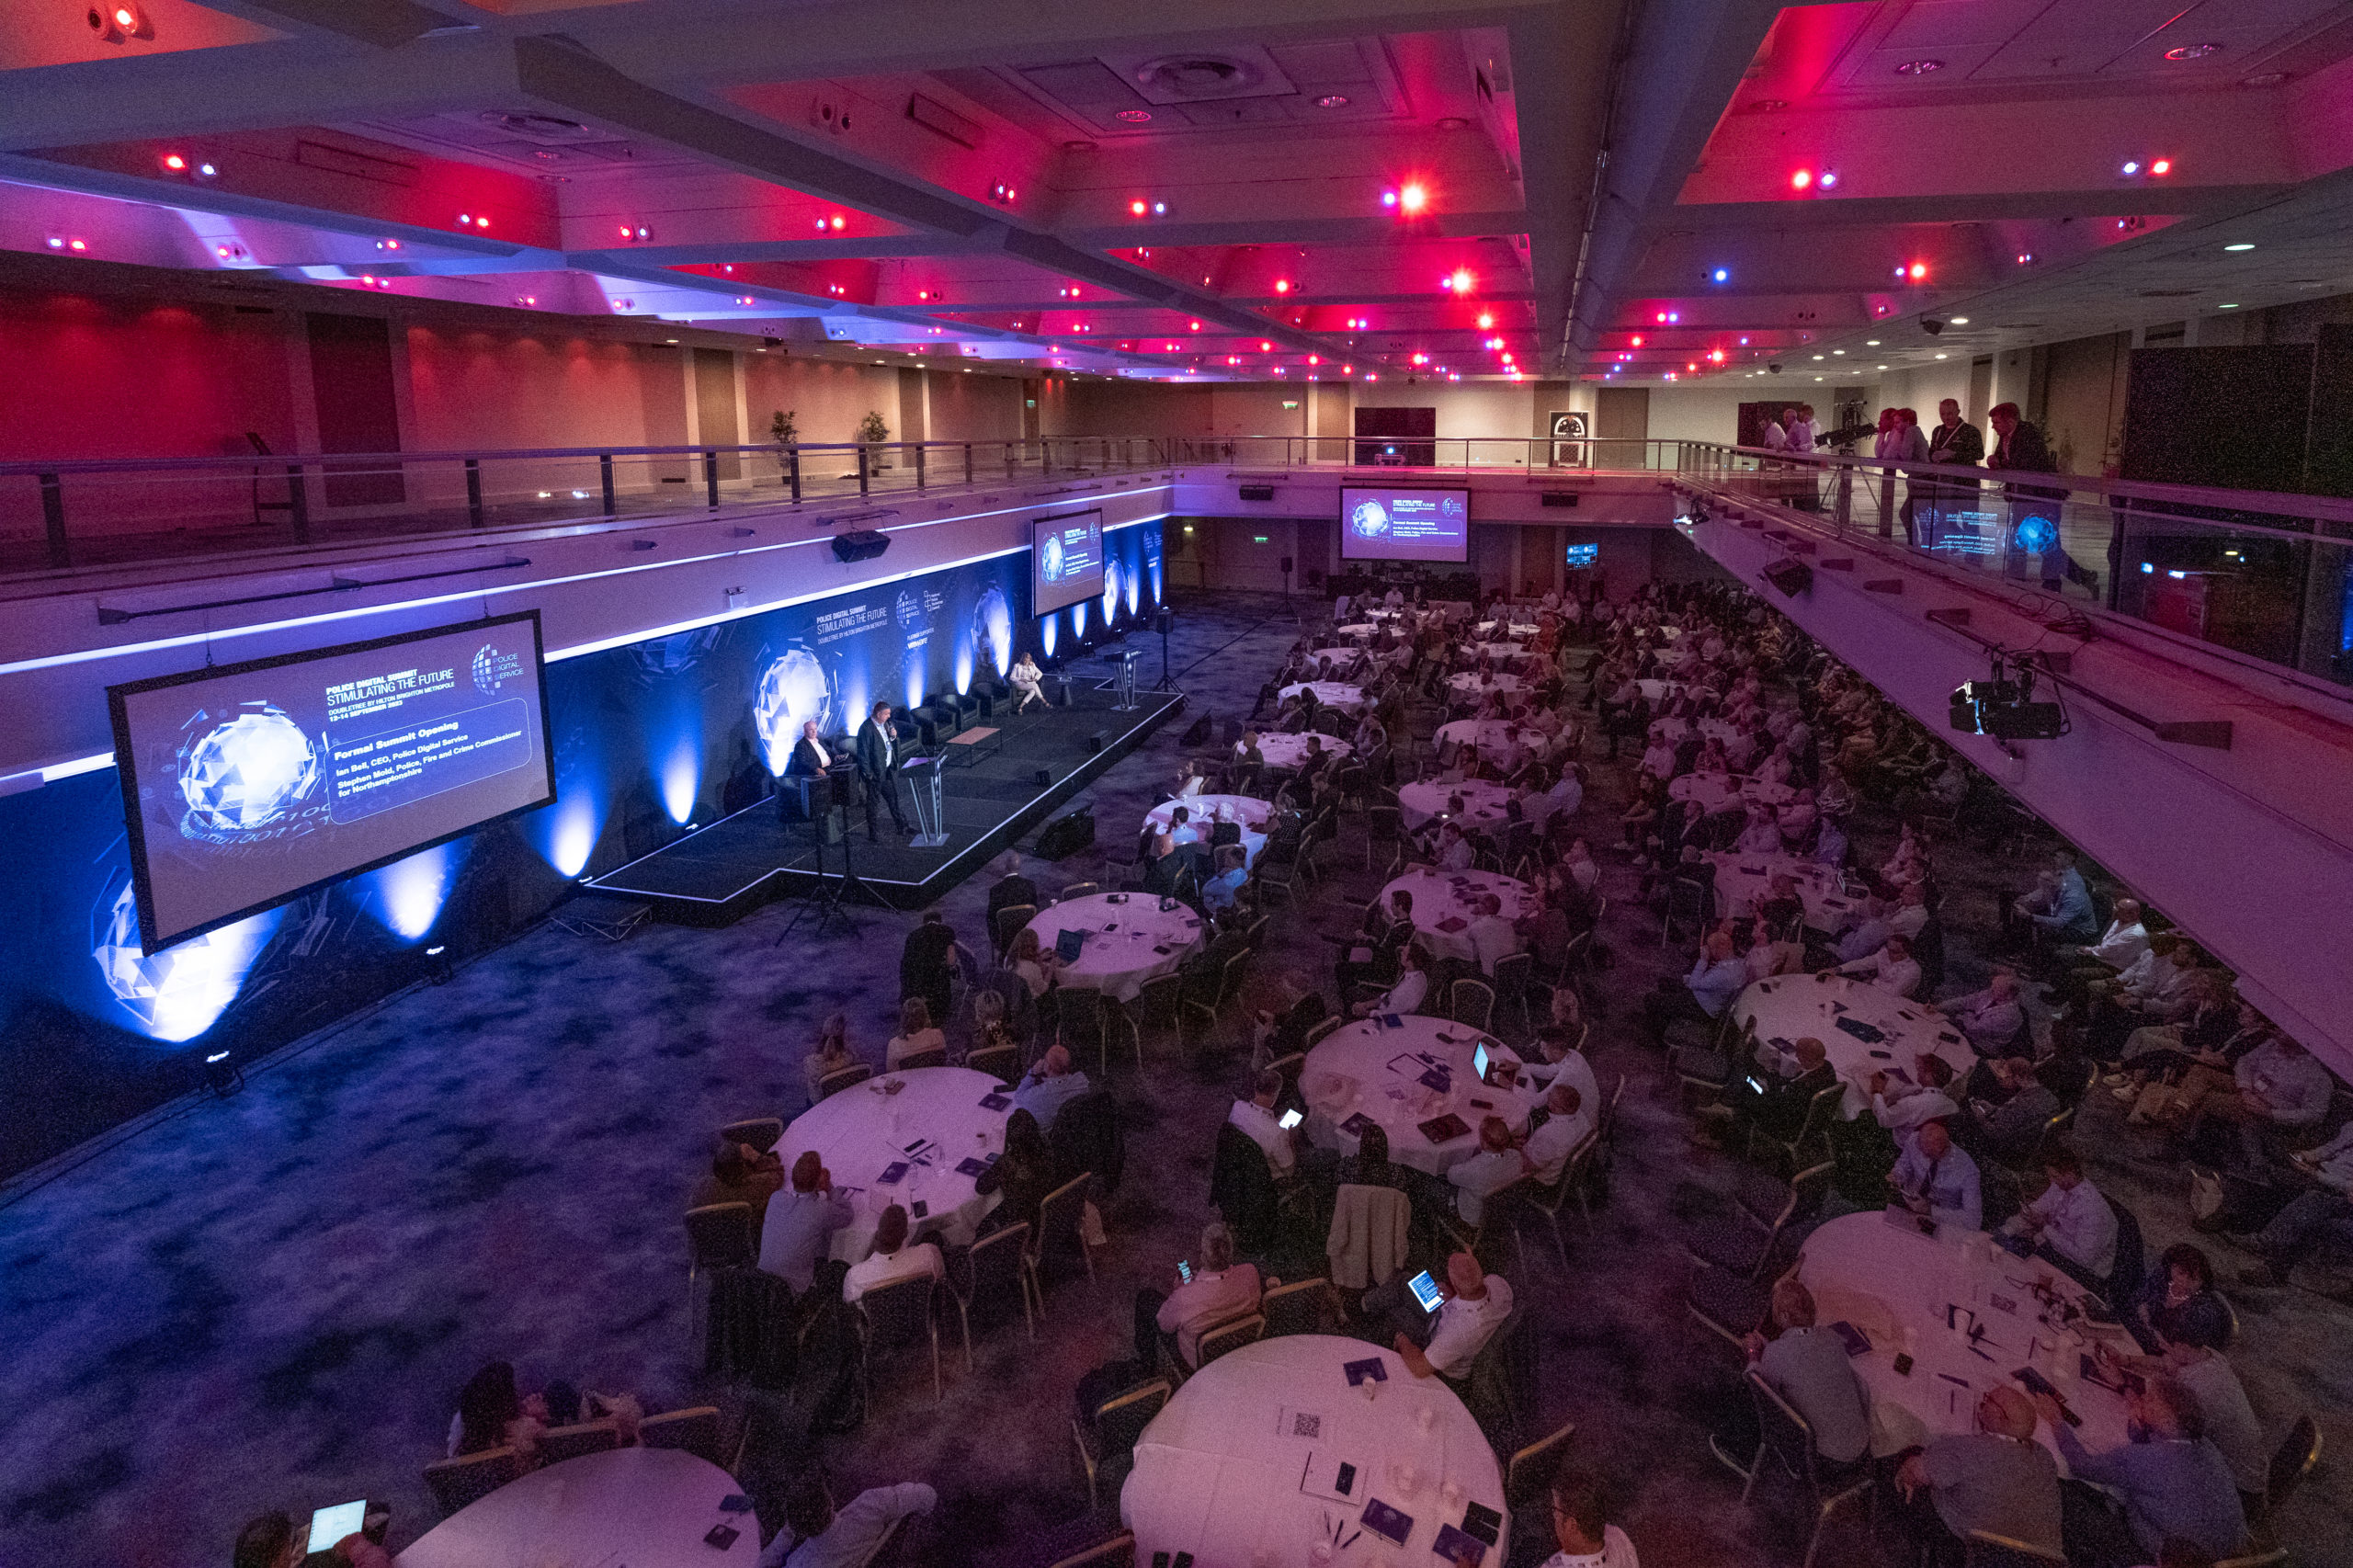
(2005,710)
(1930,326)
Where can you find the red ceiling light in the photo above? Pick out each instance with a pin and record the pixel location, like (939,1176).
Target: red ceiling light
(1486,320)
(176,163)
(1137,208)
(1265,346)
(1801,179)
(119,21)
(1316,359)
(2193,51)
(1918,271)
(1195,327)
(1638,340)
(2162,166)
(1282,285)
(1412,199)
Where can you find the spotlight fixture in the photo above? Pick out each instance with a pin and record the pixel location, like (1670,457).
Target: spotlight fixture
(1919,67)
(1133,116)
(1721,274)
(119,22)
(638,232)
(1333,100)
(1801,179)
(175,163)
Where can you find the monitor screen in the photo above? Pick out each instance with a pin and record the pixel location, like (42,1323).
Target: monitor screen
(1404,525)
(1583,555)
(1426,1291)
(248,785)
(1065,559)
(331,1524)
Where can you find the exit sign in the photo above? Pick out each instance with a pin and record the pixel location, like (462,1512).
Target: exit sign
(1259,539)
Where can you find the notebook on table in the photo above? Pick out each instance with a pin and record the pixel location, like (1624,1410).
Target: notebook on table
(1869,1034)
(1445,1129)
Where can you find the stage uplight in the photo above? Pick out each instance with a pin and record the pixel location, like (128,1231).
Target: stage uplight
(411,891)
(178,993)
(681,772)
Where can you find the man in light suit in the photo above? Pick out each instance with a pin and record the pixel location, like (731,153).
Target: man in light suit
(878,761)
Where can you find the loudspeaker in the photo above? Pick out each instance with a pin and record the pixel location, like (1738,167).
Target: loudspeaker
(1200,734)
(1792,577)
(1560,498)
(863,544)
(1164,621)
(1257,493)
(1065,836)
(1042,778)
(1096,741)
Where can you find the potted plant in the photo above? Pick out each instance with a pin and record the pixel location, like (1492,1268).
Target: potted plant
(786,435)
(873,432)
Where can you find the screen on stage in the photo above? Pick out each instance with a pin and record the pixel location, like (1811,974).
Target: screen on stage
(1583,555)
(247,785)
(1406,524)
(1065,559)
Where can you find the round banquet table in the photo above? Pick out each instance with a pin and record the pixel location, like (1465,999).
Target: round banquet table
(1331,693)
(1218,1472)
(1714,791)
(1894,1283)
(1743,881)
(1443,896)
(1791,1006)
(1288,751)
(1128,942)
(1372,1070)
(639,1506)
(1659,690)
(861,1130)
(1418,805)
(1471,682)
(1360,632)
(1493,737)
(1500,653)
(1676,729)
(1510,628)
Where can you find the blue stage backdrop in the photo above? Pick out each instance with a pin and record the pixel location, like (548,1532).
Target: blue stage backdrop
(648,738)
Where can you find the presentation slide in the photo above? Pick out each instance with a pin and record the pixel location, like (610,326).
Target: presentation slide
(246,785)
(1583,555)
(1406,524)
(1065,559)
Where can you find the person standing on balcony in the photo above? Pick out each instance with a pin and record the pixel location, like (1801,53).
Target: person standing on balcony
(1954,442)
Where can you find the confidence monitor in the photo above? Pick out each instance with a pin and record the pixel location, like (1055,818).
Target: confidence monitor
(247,785)
(1065,559)
(1404,525)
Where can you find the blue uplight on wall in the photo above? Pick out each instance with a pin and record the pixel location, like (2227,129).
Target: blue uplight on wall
(409,892)
(1046,633)
(1078,618)
(179,993)
(681,773)
(567,830)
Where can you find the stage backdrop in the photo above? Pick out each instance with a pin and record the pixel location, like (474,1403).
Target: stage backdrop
(648,738)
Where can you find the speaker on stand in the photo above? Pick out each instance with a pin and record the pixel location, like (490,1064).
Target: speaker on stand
(1163,622)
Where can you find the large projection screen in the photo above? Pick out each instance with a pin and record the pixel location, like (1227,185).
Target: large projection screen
(245,786)
(1065,559)
(1404,525)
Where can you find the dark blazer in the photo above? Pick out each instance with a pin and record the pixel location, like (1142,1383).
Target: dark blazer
(2025,451)
(1966,440)
(804,758)
(1010,891)
(870,751)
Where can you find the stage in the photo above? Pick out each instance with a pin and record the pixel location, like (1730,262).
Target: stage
(723,872)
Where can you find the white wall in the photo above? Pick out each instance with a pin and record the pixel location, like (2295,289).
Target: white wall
(1923,387)
(1710,413)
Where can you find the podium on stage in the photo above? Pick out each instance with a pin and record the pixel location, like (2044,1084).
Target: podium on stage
(1123,672)
(922,774)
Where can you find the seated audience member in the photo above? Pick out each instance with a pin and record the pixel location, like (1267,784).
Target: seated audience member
(492,1414)
(2283,1092)
(831,1055)
(1011,887)
(799,1230)
(2197,1363)
(1285,1033)
(2314,1218)
(1491,935)
(1036,964)
(1996,1479)
(2171,1479)
(1566,1124)
(1453,852)
(1411,990)
(1258,1117)
(2117,949)
(1580,1525)
(1476,1304)
(893,1258)
(740,1174)
(1219,1290)
(1938,1180)
(1903,1103)
(2178,1302)
(2062,915)
(274,1540)
(1024,1172)
(1496,1165)
(989,1030)
(1760,835)
(1810,1368)
(1992,1018)
(1715,979)
(817,1535)
(1779,1108)
(2156,989)
(1220,893)
(1893,968)
(2069,1222)
(1053,1084)
(1911,913)
(1370,1165)
(1557,1059)
(915,1034)
(2010,1131)
(1868,935)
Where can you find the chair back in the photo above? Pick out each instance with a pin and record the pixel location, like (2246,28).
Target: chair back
(1304,1306)
(694,1429)
(1784,1432)
(1119,1422)
(835,1082)
(1001,1061)
(935,1057)
(1120,1552)
(1532,1468)
(1511,975)
(1472,1002)
(1008,923)
(560,1443)
(1290,1067)
(1059,1214)
(1080,890)
(456,1483)
(1322,1027)
(899,1313)
(1986,1550)
(2293,1460)
(1232,1336)
(994,1264)
(718,1235)
(761,1133)
(2124,1279)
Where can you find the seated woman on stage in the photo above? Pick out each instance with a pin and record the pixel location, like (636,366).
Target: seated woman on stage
(1029,680)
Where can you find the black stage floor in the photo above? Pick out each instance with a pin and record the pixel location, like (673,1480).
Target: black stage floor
(725,871)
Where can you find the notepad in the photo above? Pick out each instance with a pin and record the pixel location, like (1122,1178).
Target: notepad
(1445,1129)
(971,1167)
(1453,1546)
(1452,924)
(994,1102)
(1869,1034)
(1371,1369)
(1387,1522)
(1357,1125)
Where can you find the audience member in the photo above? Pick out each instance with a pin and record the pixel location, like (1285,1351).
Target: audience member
(1810,1368)
(2171,1480)
(893,1258)
(740,1174)
(830,1054)
(1011,887)
(1491,935)
(1580,1525)
(2069,1222)
(1024,1172)
(1036,964)
(1410,992)
(1566,1124)
(1893,968)
(492,1414)
(1903,1103)
(1477,1305)
(816,1535)
(1938,1180)
(1496,1165)
(1053,1084)
(1993,1019)
(1258,1117)
(915,1034)
(2010,1131)
(274,1540)
(1715,979)
(927,963)
(799,1230)
(1214,1290)
(1996,1479)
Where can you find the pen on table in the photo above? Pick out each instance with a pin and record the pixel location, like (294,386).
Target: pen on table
(1951,1379)
(1352,1540)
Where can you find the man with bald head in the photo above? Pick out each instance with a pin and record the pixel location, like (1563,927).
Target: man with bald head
(1775,1097)
(1050,1086)
(1996,1479)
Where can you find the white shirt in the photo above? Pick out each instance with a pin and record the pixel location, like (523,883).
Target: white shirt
(2079,1225)
(1549,1147)
(1266,1130)
(1492,936)
(1485,1171)
(824,757)
(1906,920)
(1899,975)
(1659,760)
(1900,1110)
(1801,435)
(1572,1070)
(1761,838)
(858,1529)
(1464,1326)
(2121,945)
(1456,857)
(911,1261)
(1616,1551)
(1407,995)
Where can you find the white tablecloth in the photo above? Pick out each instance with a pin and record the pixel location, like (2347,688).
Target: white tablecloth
(1714,791)
(1218,1473)
(1356,1069)
(1676,729)
(1791,1006)
(1445,895)
(861,1130)
(1493,737)
(1469,683)
(1248,811)
(1511,627)
(1500,653)
(1895,1284)
(1658,690)
(1743,881)
(639,1506)
(1360,632)
(1285,751)
(1331,693)
(1483,805)
(1119,960)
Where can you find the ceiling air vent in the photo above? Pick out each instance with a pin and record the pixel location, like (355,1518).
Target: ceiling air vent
(1198,76)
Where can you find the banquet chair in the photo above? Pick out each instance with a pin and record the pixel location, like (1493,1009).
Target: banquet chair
(1106,1439)
(1512,975)
(1550,1200)
(1727,1305)
(761,1133)
(560,1443)
(1531,1470)
(459,1482)
(1156,1002)
(1784,1434)
(1303,1306)
(1060,1216)
(1811,1134)
(1120,1552)
(996,1266)
(1113,1021)
(935,1057)
(1079,889)
(694,1430)
(1318,1030)
(718,1235)
(1002,1062)
(1230,1335)
(1472,1002)
(1290,1067)
(1744,1245)
(1007,924)
(833,1083)
(2292,1460)
(899,1313)
(1986,1550)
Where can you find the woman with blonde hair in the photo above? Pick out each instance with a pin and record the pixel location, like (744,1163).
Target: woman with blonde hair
(915,1034)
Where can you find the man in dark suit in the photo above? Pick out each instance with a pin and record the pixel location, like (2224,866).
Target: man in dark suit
(1778,1108)
(1957,443)
(877,763)
(809,753)
(1012,888)
(2034,509)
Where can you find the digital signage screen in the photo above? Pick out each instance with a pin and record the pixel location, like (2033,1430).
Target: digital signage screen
(247,785)
(1404,525)
(1065,559)
(1583,555)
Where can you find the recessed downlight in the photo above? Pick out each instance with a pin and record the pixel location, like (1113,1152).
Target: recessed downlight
(2242,244)
(1919,67)
(2193,51)
(1960,321)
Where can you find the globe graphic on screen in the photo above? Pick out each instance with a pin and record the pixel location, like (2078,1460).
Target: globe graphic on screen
(247,771)
(2035,535)
(993,629)
(675,654)
(175,995)
(1370,520)
(1050,558)
(486,668)
(794,690)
